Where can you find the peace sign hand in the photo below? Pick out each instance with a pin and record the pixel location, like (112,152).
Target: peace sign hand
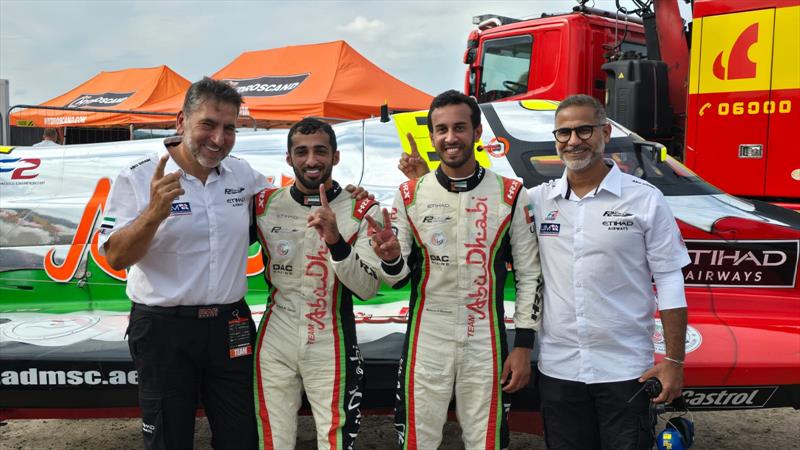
(323,219)
(383,241)
(163,190)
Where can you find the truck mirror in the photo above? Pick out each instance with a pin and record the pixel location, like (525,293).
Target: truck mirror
(469,56)
(472,47)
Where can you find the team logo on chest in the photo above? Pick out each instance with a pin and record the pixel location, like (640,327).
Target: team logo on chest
(180,209)
(617,221)
(438,239)
(549,229)
(283,248)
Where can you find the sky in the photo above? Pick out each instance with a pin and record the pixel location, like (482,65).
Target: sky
(49,47)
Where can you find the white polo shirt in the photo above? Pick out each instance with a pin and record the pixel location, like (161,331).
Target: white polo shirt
(598,254)
(198,255)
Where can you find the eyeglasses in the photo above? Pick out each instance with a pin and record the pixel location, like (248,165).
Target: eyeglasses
(584,132)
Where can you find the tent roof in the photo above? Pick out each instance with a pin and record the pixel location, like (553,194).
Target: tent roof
(128,89)
(283,85)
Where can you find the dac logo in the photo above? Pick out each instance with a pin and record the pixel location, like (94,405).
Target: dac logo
(20,168)
(283,268)
(739,65)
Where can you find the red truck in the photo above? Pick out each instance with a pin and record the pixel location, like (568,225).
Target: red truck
(743,88)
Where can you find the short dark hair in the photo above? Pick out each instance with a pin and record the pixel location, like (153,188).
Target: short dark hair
(310,125)
(584,101)
(210,89)
(50,133)
(453,97)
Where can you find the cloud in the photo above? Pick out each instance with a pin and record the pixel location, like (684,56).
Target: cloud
(361,27)
(50,46)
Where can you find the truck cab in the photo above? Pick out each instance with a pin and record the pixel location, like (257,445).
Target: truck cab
(549,57)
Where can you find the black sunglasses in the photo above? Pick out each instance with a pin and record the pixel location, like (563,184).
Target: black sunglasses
(584,132)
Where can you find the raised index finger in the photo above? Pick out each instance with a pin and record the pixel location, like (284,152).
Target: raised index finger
(159,174)
(323,198)
(413,144)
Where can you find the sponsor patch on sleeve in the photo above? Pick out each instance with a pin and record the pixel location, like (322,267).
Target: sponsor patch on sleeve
(261,200)
(362,207)
(407,191)
(107,224)
(510,190)
(529,214)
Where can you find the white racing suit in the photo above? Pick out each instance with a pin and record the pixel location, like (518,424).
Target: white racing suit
(456,238)
(307,337)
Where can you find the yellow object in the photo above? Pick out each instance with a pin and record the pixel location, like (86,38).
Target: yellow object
(416,124)
(539,105)
(735,52)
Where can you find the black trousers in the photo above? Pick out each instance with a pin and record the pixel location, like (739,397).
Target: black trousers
(181,355)
(598,416)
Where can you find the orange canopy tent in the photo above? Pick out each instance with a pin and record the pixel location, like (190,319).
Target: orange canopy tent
(129,89)
(330,80)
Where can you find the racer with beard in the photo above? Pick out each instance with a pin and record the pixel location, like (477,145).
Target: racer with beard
(317,255)
(457,229)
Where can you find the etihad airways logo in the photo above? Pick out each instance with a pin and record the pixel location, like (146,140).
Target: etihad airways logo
(268,86)
(742,263)
(104,100)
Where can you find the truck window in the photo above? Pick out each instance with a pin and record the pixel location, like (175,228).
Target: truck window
(505,65)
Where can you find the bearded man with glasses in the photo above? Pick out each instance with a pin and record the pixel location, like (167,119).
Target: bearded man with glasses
(603,236)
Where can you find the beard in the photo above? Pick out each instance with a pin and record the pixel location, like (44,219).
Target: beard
(313,185)
(197,154)
(577,165)
(458,161)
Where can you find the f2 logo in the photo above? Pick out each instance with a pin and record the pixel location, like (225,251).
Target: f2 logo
(739,66)
(19,173)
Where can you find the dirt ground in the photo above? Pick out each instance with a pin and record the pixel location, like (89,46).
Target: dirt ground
(755,429)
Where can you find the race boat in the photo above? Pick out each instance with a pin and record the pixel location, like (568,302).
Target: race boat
(64,313)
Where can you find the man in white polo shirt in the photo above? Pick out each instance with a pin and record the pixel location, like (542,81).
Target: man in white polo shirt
(603,236)
(184,235)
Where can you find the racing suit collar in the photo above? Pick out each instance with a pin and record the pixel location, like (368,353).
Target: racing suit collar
(461,185)
(313,200)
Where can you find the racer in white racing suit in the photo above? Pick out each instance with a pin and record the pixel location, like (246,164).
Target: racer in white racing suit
(306,339)
(456,237)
